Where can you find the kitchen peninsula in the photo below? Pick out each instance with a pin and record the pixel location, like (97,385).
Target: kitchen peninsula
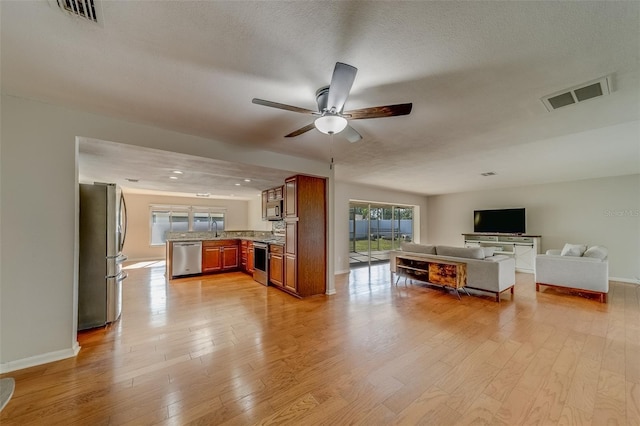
(292,259)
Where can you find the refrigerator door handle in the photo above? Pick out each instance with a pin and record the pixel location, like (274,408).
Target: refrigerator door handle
(121,276)
(123,220)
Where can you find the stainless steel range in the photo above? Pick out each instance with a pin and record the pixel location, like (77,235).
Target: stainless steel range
(261,262)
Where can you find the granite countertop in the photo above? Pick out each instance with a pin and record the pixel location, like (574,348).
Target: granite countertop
(270,240)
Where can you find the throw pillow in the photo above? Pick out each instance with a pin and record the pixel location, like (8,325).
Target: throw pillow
(597,252)
(488,251)
(573,250)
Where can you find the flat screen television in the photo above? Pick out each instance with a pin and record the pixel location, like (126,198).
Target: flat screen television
(502,221)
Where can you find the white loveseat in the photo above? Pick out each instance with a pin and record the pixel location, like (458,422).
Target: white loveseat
(485,271)
(575,267)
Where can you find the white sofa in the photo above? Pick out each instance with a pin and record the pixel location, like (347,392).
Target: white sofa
(575,267)
(485,272)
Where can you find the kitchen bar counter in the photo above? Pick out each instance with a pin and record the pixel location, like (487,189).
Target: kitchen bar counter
(262,236)
(271,240)
(224,253)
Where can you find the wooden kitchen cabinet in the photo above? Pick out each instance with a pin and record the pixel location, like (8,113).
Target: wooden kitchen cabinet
(272,194)
(265,198)
(229,257)
(243,255)
(219,255)
(276,265)
(290,197)
(290,279)
(211,258)
(250,257)
(305,235)
(246,256)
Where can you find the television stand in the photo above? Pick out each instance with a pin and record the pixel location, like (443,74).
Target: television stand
(522,247)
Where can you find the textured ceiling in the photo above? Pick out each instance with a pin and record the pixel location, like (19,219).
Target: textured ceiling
(475,72)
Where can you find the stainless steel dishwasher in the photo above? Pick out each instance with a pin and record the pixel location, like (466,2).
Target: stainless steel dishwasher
(187,258)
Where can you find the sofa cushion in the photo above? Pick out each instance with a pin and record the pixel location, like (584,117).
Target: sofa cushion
(597,252)
(465,252)
(573,250)
(418,248)
(497,258)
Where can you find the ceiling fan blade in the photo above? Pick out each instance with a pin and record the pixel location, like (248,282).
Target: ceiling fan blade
(379,111)
(341,82)
(282,106)
(351,134)
(301,130)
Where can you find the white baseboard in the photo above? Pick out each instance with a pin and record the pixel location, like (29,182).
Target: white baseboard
(145,259)
(625,280)
(32,361)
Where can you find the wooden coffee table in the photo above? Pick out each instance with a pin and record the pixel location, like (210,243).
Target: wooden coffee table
(443,273)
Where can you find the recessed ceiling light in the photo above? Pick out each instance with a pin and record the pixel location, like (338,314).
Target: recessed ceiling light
(173,177)
(237,184)
(203,194)
(178,172)
(247,180)
(132,179)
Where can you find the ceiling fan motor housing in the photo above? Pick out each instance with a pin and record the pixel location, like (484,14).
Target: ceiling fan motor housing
(321,98)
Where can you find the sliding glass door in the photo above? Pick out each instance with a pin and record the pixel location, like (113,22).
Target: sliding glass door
(375,229)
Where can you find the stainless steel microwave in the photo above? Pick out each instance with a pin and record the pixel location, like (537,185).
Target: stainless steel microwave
(274,210)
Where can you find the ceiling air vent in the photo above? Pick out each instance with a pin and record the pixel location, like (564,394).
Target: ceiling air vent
(85,9)
(580,93)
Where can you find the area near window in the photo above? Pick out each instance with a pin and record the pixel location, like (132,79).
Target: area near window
(163,219)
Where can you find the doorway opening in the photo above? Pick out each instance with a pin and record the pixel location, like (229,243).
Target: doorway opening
(376,229)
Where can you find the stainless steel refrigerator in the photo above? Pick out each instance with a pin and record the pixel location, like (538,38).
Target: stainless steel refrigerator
(103,227)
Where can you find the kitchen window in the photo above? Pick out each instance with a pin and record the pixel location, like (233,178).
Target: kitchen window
(165,219)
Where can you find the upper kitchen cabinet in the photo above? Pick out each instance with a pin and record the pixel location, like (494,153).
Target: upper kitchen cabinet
(290,197)
(305,248)
(268,196)
(274,194)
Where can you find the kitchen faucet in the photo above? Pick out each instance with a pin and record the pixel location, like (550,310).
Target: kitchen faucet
(216,224)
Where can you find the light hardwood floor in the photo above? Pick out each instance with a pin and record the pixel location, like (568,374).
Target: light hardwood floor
(226,350)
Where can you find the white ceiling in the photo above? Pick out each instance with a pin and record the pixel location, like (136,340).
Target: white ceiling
(475,72)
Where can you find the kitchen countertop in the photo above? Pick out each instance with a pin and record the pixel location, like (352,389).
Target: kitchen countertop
(279,241)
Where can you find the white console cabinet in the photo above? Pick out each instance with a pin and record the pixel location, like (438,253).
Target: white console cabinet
(523,248)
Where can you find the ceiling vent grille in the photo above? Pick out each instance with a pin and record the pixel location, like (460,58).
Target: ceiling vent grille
(580,93)
(85,9)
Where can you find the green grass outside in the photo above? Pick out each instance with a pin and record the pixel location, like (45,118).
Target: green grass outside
(376,245)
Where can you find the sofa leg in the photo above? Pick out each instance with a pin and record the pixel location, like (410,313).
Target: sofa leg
(603,298)
(498,297)
(537,287)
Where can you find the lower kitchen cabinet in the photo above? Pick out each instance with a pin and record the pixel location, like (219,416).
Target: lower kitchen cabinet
(276,265)
(229,257)
(290,278)
(211,258)
(219,255)
(250,257)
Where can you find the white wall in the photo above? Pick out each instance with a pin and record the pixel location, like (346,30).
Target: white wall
(596,211)
(346,192)
(254,217)
(137,244)
(38,172)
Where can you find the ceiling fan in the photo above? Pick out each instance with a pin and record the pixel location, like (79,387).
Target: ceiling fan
(331,99)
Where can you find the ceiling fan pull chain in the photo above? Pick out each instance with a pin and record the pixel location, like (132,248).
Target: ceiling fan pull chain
(331,151)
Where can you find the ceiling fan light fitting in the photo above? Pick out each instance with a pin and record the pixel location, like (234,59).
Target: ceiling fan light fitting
(331,124)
